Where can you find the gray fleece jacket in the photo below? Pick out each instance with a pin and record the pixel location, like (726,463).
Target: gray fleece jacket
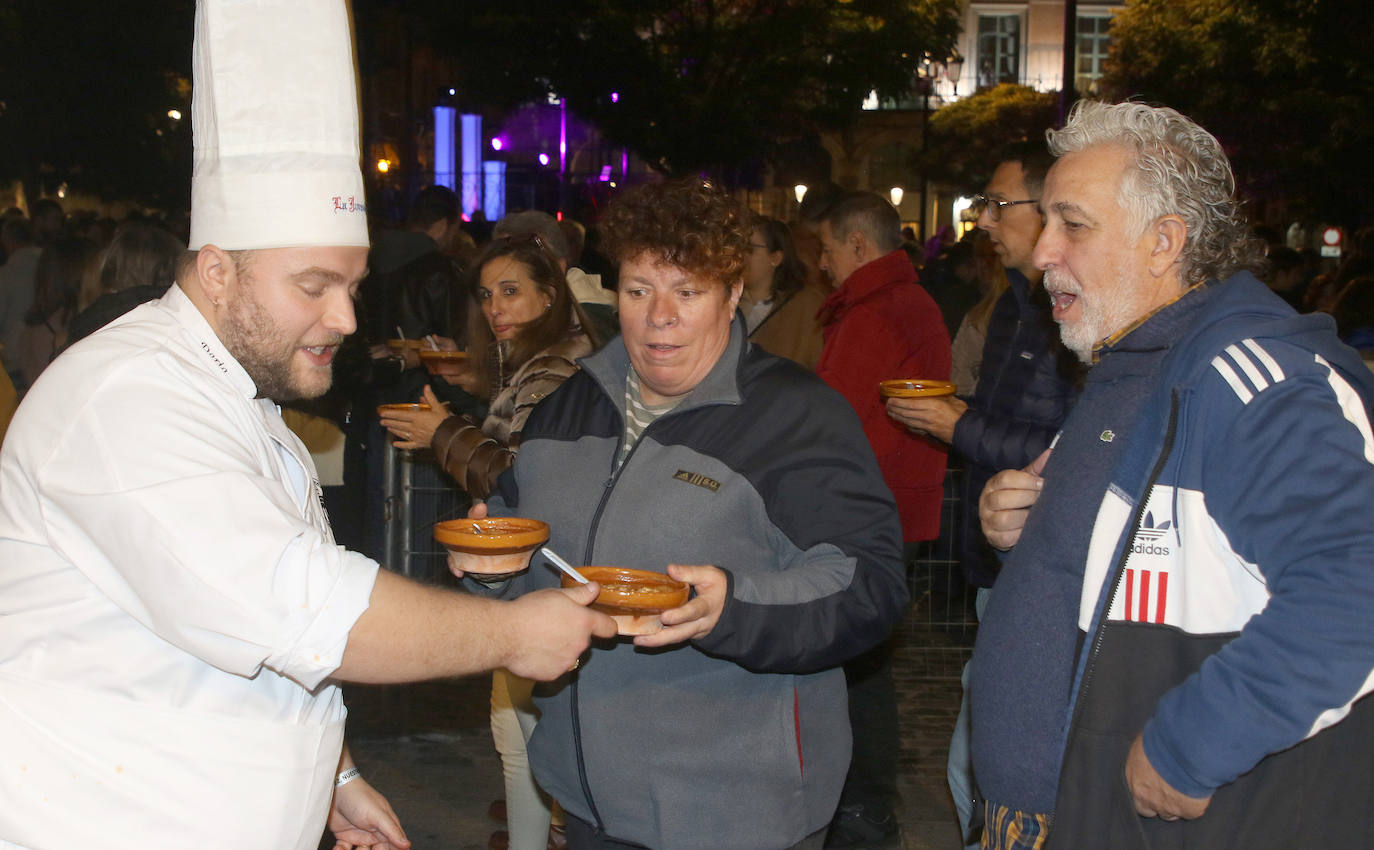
(740,739)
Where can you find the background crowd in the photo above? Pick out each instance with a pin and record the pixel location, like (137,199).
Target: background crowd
(63,276)
(843,292)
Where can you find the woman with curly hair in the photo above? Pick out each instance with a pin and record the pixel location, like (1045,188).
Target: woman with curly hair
(683,449)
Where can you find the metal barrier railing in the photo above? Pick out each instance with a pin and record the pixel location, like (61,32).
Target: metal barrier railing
(417,494)
(941,626)
(938,632)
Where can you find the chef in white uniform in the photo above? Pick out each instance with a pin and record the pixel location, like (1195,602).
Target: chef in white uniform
(174,611)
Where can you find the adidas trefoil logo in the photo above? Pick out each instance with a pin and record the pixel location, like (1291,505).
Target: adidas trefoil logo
(1147,539)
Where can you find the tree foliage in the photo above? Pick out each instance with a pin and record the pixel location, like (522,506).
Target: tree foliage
(1284,84)
(701,85)
(85,89)
(969,137)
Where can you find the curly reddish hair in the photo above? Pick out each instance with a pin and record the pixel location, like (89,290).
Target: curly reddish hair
(691,224)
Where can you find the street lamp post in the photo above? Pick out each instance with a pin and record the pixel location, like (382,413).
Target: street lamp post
(926,75)
(925,80)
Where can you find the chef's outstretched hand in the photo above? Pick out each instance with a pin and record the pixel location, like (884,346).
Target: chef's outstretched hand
(548,630)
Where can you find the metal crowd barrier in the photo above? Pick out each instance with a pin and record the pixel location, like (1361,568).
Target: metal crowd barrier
(941,626)
(938,632)
(417,494)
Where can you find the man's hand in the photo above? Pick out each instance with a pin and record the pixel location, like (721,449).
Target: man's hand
(548,630)
(1006,502)
(934,416)
(1154,797)
(697,616)
(361,817)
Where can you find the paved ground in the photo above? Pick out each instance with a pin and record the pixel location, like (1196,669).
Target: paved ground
(428,748)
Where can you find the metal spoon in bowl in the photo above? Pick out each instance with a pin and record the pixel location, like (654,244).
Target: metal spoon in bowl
(562,564)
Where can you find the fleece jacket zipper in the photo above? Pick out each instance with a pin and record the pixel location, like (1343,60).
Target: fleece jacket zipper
(1099,633)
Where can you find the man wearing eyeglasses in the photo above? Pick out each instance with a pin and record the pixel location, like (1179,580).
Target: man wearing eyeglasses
(1024,391)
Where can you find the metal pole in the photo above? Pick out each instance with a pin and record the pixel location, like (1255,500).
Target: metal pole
(389,506)
(925,129)
(407,518)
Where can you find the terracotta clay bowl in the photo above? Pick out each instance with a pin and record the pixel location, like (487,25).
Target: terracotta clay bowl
(404,407)
(915,388)
(495,546)
(430,357)
(444,363)
(633,598)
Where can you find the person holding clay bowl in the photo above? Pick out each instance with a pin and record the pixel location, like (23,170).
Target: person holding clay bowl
(524,340)
(682,449)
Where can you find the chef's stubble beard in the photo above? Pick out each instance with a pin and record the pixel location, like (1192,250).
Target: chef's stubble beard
(254,340)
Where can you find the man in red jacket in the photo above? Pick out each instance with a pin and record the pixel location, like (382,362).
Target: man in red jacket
(879,324)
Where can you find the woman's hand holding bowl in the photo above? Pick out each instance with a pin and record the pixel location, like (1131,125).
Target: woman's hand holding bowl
(697,616)
(414,429)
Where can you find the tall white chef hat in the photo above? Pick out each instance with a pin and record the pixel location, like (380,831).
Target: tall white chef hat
(275,112)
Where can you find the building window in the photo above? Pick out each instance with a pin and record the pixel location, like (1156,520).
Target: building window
(1091,51)
(999,50)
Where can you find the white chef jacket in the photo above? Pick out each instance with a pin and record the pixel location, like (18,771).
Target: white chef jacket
(171,601)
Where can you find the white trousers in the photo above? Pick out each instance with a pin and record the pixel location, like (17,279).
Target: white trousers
(512,722)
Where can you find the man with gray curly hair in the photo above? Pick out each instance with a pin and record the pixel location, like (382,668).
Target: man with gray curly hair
(1187,597)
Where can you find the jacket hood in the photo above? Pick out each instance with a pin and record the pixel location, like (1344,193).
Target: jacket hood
(1243,307)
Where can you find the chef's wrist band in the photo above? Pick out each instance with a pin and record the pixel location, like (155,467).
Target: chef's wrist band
(346,777)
